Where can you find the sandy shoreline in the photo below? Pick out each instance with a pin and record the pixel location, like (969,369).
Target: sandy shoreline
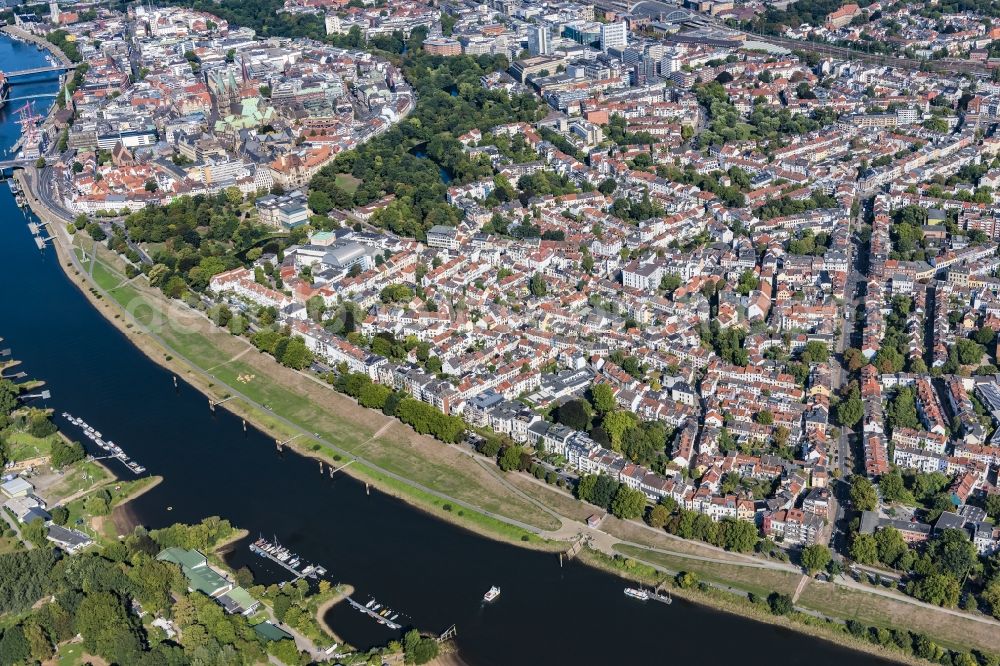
(321,610)
(122,516)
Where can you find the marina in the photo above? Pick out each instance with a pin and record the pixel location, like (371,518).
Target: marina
(114,451)
(380,613)
(283,557)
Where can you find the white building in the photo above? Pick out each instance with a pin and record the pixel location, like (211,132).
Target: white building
(614,36)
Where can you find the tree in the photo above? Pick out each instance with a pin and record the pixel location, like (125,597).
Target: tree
(537,285)
(780,604)
(938,589)
(35,532)
(890,545)
(954,553)
(603,491)
(40,163)
(417,649)
(63,454)
(40,426)
(573,414)
(969,352)
(628,503)
(670,282)
(815,352)
(764,417)
(60,515)
(850,411)
(863,550)
(585,487)
(748,282)
(658,516)
(738,535)
(863,495)
(616,424)
(14,646)
(891,486)
(815,558)
(602,397)
(510,458)
(686,580)
(991,596)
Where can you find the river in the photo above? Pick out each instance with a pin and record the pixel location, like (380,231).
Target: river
(433,572)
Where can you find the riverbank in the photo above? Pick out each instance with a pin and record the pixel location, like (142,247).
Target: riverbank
(221,358)
(651,576)
(342,592)
(457,511)
(22,35)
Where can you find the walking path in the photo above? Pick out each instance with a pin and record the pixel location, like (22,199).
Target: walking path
(801,586)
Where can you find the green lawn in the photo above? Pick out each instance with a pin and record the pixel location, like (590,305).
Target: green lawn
(80,476)
(751,579)
(23,446)
(70,654)
(347,182)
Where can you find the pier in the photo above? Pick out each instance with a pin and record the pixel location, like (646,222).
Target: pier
(286,559)
(114,451)
(375,611)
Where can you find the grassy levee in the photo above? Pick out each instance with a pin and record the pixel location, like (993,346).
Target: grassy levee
(751,579)
(833,600)
(950,631)
(316,408)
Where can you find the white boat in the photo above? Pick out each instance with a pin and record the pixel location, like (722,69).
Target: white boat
(640,594)
(492,594)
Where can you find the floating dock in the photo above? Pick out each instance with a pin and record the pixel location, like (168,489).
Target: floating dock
(378,612)
(286,559)
(114,451)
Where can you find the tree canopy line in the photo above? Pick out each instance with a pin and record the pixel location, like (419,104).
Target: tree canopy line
(726,123)
(388,165)
(91,594)
(195,238)
(422,417)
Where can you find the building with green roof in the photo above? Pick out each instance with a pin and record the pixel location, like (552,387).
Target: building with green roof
(238,600)
(194,565)
(271,632)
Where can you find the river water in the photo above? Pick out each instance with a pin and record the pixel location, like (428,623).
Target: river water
(432,572)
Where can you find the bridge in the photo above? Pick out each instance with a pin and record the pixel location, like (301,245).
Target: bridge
(13,164)
(39,70)
(35,96)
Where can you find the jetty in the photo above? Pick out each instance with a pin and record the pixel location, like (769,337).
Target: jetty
(114,451)
(378,612)
(286,559)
